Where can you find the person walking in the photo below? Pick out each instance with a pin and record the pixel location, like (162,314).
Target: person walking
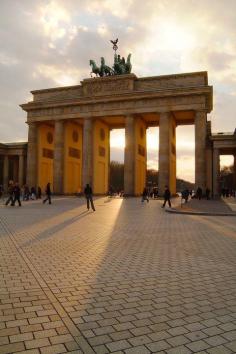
(89,196)
(145,195)
(208,193)
(166,197)
(48,194)
(10,194)
(39,195)
(17,193)
(199,193)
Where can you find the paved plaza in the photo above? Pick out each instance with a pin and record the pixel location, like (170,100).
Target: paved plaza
(128,278)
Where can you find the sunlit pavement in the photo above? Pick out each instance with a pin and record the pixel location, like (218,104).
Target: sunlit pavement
(127,278)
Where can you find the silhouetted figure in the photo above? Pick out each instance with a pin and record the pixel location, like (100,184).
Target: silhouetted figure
(10,194)
(185,195)
(89,196)
(39,192)
(48,194)
(1,191)
(166,197)
(145,195)
(32,193)
(26,192)
(16,192)
(199,193)
(208,193)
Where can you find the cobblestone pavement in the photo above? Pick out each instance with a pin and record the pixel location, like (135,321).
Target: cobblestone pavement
(128,278)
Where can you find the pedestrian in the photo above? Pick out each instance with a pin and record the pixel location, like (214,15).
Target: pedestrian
(39,192)
(89,196)
(1,190)
(26,192)
(48,194)
(10,193)
(199,193)
(17,193)
(145,195)
(185,195)
(207,193)
(166,197)
(32,193)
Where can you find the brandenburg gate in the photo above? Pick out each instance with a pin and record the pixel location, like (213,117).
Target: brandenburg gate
(69,128)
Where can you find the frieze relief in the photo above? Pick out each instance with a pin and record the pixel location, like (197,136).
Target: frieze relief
(100,88)
(119,105)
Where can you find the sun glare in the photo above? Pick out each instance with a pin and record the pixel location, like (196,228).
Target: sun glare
(175,37)
(53,19)
(117,138)
(226,160)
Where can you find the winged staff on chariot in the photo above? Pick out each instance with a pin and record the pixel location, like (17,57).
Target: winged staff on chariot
(120,66)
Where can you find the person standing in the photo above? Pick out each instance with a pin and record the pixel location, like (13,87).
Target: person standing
(39,192)
(145,195)
(10,194)
(166,197)
(208,193)
(89,196)
(199,193)
(17,193)
(48,194)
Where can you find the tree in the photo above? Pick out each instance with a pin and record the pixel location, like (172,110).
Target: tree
(227,177)
(117,178)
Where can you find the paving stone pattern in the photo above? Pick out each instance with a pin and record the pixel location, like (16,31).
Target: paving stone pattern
(128,278)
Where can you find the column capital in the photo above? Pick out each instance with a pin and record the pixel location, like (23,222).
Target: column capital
(201,114)
(59,121)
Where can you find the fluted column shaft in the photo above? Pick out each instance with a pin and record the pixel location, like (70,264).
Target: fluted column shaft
(58,161)
(32,150)
(200,149)
(129,170)
(87,173)
(21,170)
(167,153)
(5,172)
(216,173)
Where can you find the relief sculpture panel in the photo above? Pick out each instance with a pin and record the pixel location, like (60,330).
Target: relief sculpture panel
(100,88)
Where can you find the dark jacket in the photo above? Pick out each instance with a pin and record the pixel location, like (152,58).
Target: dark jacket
(88,190)
(10,189)
(16,191)
(48,189)
(145,192)
(167,194)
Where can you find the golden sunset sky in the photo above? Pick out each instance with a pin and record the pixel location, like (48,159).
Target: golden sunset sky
(49,43)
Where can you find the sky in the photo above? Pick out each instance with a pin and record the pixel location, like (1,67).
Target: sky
(49,43)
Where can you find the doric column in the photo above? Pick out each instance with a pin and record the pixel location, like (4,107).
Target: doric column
(216,173)
(58,160)
(200,149)
(129,170)
(5,172)
(87,173)
(167,153)
(32,170)
(21,170)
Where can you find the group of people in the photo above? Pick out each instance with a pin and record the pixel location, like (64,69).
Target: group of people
(226,193)
(14,193)
(166,196)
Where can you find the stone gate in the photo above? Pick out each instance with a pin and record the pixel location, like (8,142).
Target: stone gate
(69,128)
